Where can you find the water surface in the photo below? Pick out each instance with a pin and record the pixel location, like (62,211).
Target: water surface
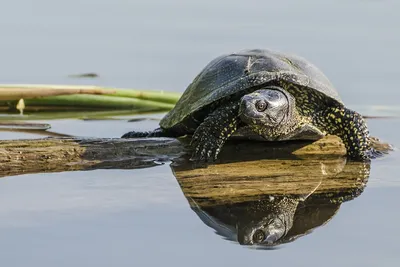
(142,217)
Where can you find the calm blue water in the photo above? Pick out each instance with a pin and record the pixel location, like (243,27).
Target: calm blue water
(141,217)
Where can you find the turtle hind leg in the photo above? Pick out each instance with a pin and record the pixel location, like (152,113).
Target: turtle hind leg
(211,135)
(351,127)
(159,132)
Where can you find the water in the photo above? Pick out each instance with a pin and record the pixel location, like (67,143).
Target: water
(142,217)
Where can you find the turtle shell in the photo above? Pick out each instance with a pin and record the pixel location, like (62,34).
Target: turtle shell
(238,73)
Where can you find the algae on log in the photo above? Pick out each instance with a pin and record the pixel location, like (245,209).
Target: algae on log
(70,154)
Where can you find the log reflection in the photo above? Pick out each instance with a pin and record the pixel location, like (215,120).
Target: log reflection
(265,202)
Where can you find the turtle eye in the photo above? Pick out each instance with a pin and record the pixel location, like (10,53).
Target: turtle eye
(258,236)
(261,105)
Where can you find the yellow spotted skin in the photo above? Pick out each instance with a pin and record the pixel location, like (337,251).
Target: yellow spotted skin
(156,133)
(333,118)
(210,136)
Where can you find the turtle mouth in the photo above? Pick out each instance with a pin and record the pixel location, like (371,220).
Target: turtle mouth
(256,121)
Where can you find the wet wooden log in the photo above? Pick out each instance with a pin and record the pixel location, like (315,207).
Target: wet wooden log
(70,154)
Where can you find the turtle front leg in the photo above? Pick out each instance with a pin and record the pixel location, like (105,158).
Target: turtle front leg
(212,133)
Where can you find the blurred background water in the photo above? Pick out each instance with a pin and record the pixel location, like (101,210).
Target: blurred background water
(140,217)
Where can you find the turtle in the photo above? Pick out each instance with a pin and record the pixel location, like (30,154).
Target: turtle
(264,95)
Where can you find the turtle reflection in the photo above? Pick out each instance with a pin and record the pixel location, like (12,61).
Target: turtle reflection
(264,203)
(269,222)
(264,222)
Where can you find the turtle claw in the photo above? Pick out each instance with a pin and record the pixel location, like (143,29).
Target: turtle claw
(134,134)
(156,133)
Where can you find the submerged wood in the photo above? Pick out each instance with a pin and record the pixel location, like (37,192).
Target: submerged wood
(70,154)
(16,125)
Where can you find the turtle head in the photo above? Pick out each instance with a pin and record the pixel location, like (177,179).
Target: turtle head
(267,232)
(270,107)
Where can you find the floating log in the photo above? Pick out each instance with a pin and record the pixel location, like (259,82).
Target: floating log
(70,154)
